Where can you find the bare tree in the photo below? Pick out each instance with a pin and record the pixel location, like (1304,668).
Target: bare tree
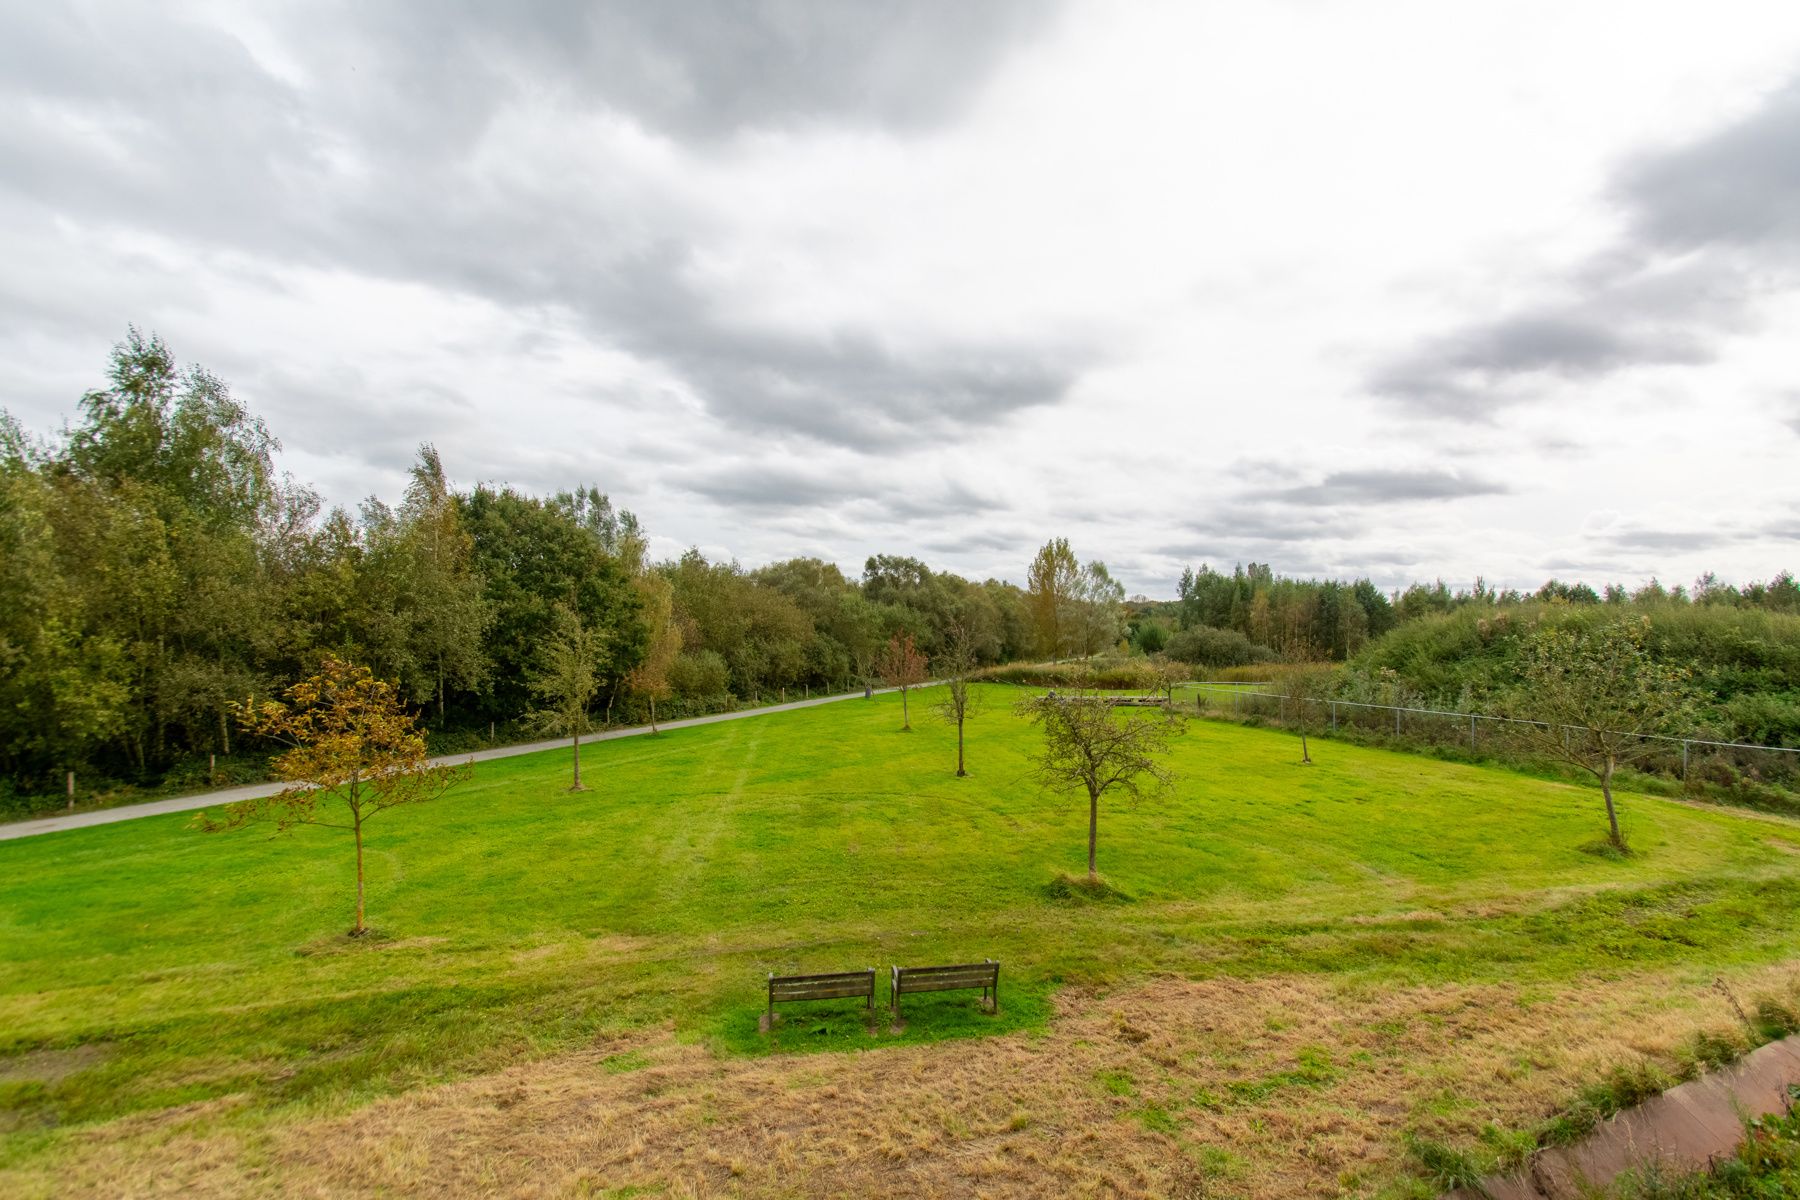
(566,679)
(954,666)
(903,667)
(350,743)
(1597,696)
(1089,744)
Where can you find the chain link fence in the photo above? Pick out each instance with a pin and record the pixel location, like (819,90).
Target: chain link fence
(1695,761)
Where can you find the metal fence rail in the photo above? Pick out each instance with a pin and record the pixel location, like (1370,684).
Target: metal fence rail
(1781,761)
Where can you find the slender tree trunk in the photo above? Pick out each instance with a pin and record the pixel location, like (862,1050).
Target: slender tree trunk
(653,714)
(575,738)
(959,748)
(359,931)
(1093,832)
(1305,757)
(1612,813)
(905,717)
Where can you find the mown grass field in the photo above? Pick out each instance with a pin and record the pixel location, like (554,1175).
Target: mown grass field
(159,984)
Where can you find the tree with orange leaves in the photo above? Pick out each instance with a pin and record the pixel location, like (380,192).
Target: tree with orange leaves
(903,667)
(353,751)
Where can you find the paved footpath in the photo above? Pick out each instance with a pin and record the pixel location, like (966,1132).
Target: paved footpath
(130,812)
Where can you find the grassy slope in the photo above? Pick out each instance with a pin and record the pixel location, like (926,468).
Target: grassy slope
(518,919)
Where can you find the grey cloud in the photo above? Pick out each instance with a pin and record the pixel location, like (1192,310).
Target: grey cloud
(1016,543)
(767,486)
(1713,226)
(1669,540)
(1738,187)
(1234,527)
(779,487)
(369,167)
(1389,487)
(332,409)
(934,503)
(705,68)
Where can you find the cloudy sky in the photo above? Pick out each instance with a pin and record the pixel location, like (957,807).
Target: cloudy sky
(1406,289)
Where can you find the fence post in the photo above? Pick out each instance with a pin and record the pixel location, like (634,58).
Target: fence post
(1471,733)
(71,783)
(1234,701)
(1396,722)
(1334,716)
(1684,752)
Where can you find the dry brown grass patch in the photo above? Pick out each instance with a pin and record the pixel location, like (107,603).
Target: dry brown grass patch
(1255,1088)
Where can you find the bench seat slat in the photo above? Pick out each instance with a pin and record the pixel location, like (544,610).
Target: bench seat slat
(945,976)
(832,977)
(947,985)
(955,977)
(953,967)
(829,991)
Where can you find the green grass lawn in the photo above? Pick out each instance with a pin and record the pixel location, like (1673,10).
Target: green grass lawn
(144,965)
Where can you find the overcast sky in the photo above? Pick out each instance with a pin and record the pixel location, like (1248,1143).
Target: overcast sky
(1400,289)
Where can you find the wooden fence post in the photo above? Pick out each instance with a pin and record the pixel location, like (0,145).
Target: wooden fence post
(71,786)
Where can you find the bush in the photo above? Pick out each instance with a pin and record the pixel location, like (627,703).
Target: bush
(699,675)
(1205,646)
(1150,638)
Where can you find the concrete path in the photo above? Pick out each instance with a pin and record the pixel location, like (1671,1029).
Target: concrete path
(130,812)
(1683,1128)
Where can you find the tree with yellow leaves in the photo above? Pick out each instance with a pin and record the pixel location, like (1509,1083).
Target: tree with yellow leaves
(353,751)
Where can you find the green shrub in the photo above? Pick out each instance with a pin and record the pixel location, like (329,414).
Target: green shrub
(1205,646)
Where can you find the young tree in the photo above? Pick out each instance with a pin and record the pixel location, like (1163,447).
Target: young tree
(1304,685)
(1595,693)
(1166,674)
(954,666)
(903,667)
(350,743)
(1088,744)
(650,678)
(566,678)
(1051,583)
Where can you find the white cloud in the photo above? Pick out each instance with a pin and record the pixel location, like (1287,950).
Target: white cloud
(1091,274)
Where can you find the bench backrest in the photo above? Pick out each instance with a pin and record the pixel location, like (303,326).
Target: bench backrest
(944,979)
(821,987)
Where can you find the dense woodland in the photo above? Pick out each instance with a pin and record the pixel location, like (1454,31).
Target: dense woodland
(156,571)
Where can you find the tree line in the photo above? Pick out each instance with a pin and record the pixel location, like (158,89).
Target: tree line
(156,571)
(1254,615)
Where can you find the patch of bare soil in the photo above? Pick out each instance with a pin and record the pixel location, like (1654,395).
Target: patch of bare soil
(49,1066)
(1252,1088)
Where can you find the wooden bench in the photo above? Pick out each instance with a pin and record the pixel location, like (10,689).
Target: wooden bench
(984,975)
(835,986)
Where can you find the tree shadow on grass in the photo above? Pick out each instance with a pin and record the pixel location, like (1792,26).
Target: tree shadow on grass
(1078,889)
